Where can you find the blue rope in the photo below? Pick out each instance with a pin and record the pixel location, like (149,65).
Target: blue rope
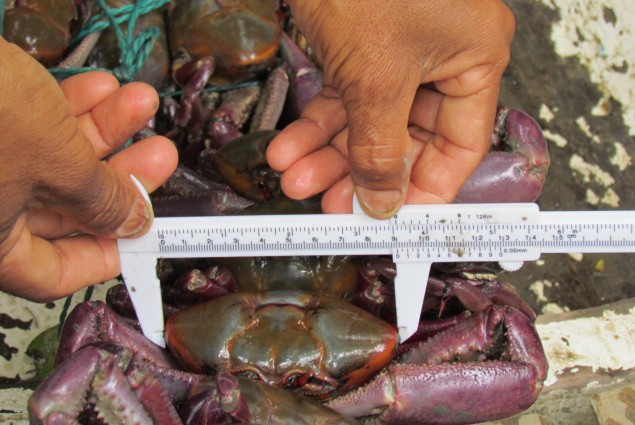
(3,5)
(119,15)
(215,89)
(62,73)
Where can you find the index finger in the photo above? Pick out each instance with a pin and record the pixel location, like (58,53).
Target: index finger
(85,91)
(106,113)
(118,117)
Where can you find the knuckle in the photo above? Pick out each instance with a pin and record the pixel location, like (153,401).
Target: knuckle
(8,236)
(104,205)
(95,201)
(507,21)
(379,165)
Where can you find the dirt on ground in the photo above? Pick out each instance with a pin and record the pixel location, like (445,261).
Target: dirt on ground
(589,143)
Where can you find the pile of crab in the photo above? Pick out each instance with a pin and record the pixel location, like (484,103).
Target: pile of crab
(277,340)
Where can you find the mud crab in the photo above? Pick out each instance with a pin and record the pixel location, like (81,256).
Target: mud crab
(446,378)
(242,36)
(42,29)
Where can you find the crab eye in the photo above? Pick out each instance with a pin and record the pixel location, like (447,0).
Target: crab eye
(293,381)
(249,374)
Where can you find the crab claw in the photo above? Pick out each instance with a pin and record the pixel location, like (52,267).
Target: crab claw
(115,393)
(515,169)
(422,387)
(92,322)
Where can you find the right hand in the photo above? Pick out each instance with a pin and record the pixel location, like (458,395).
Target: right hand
(408,105)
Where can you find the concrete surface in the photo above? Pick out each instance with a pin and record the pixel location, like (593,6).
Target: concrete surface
(573,68)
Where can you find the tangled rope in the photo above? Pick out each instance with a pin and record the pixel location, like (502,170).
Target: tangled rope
(3,6)
(134,49)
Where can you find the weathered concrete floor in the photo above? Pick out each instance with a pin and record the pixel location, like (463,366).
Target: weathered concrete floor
(591,133)
(573,68)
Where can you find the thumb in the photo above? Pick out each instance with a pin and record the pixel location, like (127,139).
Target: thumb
(95,197)
(48,162)
(379,145)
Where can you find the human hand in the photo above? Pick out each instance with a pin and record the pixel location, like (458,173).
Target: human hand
(54,182)
(408,104)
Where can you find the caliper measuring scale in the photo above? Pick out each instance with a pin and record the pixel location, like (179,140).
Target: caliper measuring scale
(416,237)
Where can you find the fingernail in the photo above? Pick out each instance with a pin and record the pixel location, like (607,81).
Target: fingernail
(140,216)
(142,189)
(379,203)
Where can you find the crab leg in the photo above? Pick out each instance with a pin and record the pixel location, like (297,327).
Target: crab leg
(271,102)
(305,78)
(205,203)
(249,401)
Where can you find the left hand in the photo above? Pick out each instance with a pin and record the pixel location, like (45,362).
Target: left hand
(43,257)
